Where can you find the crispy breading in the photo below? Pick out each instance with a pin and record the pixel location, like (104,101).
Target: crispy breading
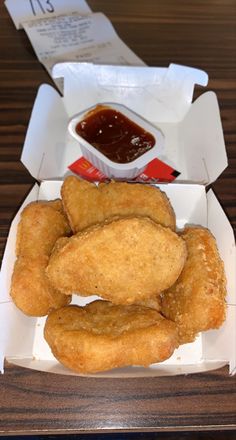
(102,336)
(31,290)
(41,224)
(196,302)
(87,204)
(153,303)
(124,261)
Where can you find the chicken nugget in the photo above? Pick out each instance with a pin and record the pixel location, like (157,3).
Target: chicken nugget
(124,261)
(41,224)
(153,303)
(87,204)
(196,302)
(31,290)
(102,336)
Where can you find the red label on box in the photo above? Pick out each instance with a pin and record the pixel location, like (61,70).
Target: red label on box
(155,171)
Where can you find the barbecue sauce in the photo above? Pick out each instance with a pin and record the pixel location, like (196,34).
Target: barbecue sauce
(114,135)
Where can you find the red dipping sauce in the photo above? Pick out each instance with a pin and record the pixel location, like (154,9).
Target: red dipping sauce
(114,135)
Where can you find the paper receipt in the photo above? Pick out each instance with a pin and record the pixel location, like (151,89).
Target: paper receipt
(30,10)
(73,37)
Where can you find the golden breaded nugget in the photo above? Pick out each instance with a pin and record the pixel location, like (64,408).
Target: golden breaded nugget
(196,302)
(31,290)
(153,303)
(102,336)
(41,224)
(87,204)
(124,261)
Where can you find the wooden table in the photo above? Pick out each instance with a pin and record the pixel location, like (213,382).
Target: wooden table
(200,34)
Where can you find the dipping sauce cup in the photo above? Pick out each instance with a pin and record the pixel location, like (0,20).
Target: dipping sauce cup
(116,140)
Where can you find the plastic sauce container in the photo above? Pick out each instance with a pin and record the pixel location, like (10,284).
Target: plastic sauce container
(116,140)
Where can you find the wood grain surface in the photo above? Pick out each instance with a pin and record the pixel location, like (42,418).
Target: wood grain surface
(197,33)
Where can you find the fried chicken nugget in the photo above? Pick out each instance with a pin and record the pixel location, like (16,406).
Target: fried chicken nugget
(196,302)
(124,261)
(41,224)
(153,303)
(87,204)
(102,336)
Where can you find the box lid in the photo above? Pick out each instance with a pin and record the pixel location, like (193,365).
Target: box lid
(193,131)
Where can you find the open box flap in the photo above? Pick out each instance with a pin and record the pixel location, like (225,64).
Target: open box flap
(45,138)
(157,371)
(4,331)
(19,324)
(155,93)
(222,344)
(202,143)
(169,90)
(221,228)
(16,323)
(9,253)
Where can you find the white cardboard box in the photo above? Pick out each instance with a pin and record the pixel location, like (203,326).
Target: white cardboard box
(195,143)
(193,133)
